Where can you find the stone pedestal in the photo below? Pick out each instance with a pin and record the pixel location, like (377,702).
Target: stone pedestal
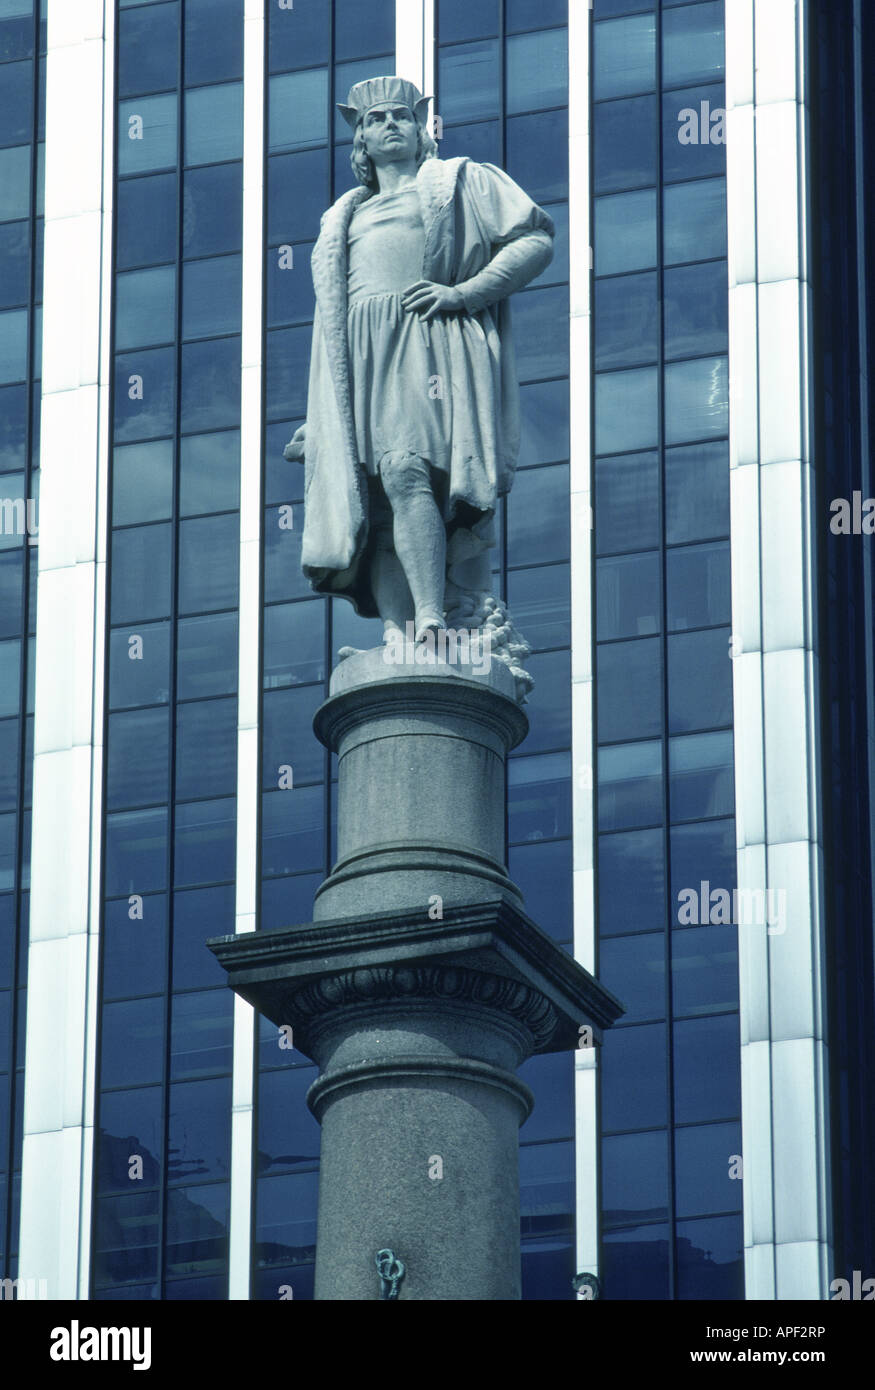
(420,987)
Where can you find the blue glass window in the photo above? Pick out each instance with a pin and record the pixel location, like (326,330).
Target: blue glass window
(132,1042)
(282,555)
(544,422)
(13,427)
(691,142)
(292,833)
(130,1124)
(625,232)
(552,1080)
(540,350)
(209,473)
(297,195)
(699,681)
(197,1239)
(9,746)
(542,872)
(290,296)
(214,124)
(363,26)
(288,355)
(627,589)
(16,30)
(629,690)
(136,852)
(199,1135)
(15,259)
(540,600)
(15,182)
(634,1172)
(207,656)
(145,392)
(626,321)
(634,1092)
(289,740)
(535,14)
(707,1078)
(635,1262)
(147,134)
(698,586)
(213,40)
(624,61)
(603,8)
(467,19)
(694,217)
(294,643)
(134,946)
(537,71)
(211,297)
(200,1033)
(696,399)
(8,857)
(148,50)
(212,219)
(298,37)
(696,492)
(210,385)
(629,785)
(141,573)
(704,964)
(194,964)
(625,144)
(550,708)
(138,758)
(692,44)
(633,968)
(142,482)
(126,1240)
(696,308)
(627,410)
(288,900)
(539,797)
(205,841)
(538,514)
(139,665)
(282,1147)
(16,103)
(479,140)
(13,346)
(627,502)
(537,154)
(11,591)
(469,80)
(299,109)
(206,749)
(147,218)
(703,1155)
(700,767)
(145,309)
(711,1258)
(702,852)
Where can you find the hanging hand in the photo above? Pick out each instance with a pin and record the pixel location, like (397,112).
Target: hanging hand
(294,450)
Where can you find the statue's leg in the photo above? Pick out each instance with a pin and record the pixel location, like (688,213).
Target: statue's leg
(389,582)
(419,534)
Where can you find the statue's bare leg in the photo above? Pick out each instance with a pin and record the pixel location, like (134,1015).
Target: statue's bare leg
(419,535)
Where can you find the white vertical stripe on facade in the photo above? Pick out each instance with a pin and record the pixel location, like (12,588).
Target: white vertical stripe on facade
(582,638)
(249,667)
(785,1102)
(62,998)
(415,45)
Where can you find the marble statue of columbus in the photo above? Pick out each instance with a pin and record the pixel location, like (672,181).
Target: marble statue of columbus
(412,429)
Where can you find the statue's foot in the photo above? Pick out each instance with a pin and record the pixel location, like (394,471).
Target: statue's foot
(428,620)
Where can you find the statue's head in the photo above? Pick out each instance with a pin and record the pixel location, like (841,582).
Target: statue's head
(388,116)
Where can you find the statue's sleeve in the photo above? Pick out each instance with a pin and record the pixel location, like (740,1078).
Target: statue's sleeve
(518,231)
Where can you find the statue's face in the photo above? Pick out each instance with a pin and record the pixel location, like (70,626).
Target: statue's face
(390,133)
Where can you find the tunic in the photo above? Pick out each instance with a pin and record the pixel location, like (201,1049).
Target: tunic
(425,388)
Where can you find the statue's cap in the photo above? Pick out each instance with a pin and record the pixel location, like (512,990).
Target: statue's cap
(377,90)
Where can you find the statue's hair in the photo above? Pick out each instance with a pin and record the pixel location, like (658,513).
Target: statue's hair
(363,165)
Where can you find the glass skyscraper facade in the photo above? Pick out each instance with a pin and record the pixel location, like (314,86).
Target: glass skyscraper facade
(703,648)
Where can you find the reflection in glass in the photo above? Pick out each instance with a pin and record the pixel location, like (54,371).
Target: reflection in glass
(696,309)
(147,134)
(145,307)
(537,71)
(146,212)
(700,768)
(698,585)
(627,590)
(214,124)
(630,785)
(626,321)
(212,217)
(627,413)
(625,232)
(694,221)
(625,144)
(696,399)
(624,57)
